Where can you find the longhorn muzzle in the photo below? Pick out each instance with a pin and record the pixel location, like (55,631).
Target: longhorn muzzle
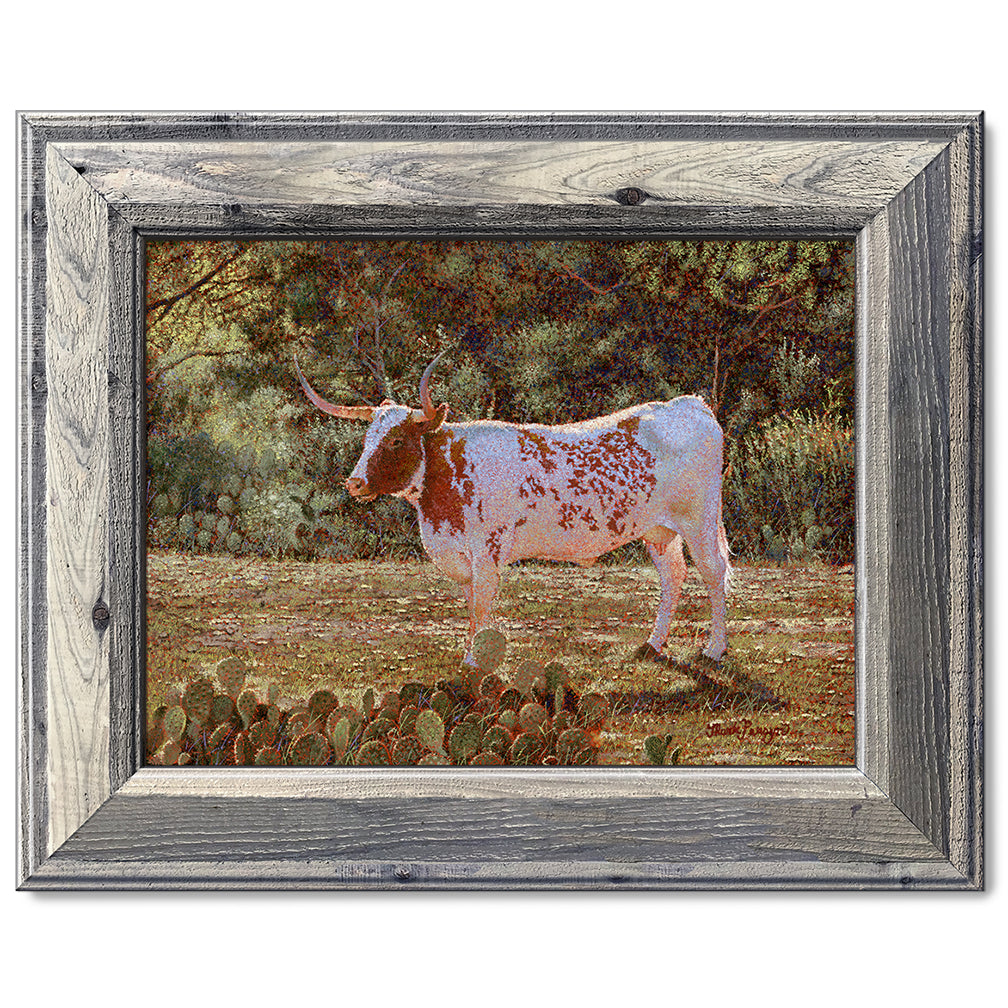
(358,488)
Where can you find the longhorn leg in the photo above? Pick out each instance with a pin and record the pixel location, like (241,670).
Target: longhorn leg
(708,548)
(671,573)
(480,592)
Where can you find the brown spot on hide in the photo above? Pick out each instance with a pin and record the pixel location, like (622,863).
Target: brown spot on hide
(447,485)
(461,467)
(531,486)
(494,544)
(396,457)
(534,447)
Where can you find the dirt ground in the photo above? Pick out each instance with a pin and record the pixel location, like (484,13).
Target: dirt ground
(783,695)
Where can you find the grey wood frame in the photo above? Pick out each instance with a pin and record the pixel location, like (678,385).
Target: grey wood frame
(92,188)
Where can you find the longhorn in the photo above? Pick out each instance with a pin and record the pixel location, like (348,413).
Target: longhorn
(345,412)
(425,399)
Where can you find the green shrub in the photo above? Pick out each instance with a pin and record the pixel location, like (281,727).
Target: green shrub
(789,491)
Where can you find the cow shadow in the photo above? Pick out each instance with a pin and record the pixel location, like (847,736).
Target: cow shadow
(716,686)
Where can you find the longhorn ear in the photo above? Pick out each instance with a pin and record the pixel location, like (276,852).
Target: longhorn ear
(439,414)
(387,402)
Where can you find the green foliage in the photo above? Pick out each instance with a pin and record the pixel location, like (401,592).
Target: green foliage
(789,493)
(239,462)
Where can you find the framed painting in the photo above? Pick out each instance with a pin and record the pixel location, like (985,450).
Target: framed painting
(235,673)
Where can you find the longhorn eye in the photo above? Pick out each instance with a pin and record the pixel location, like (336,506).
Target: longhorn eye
(395,442)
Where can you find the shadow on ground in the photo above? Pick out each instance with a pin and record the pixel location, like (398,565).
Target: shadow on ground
(717,686)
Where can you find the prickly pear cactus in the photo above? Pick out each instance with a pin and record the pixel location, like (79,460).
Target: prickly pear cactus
(407,720)
(407,751)
(525,675)
(247,704)
(221,709)
(231,673)
(367,702)
(491,686)
(593,710)
(440,702)
(489,648)
(174,724)
(260,735)
(570,743)
(338,730)
(167,754)
(410,693)
(556,676)
(373,753)
(310,749)
(430,730)
(478,718)
(532,717)
(320,704)
(654,749)
(464,741)
(526,748)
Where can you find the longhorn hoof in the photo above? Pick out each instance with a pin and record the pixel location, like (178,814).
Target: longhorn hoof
(647,653)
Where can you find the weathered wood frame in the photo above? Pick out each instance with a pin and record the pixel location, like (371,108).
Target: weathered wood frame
(92,188)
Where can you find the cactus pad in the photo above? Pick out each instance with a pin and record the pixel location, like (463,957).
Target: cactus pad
(260,735)
(510,699)
(430,730)
(491,685)
(593,710)
(407,720)
(532,717)
(489,648)
(495,739)
(247,703)
(221,708)
(168,754)
(526,749)
(570,743)
(310,749)
(464,741)
(410,693)
(338,730)
(526,674)
(654,749)
(373,753)
(367,702)
(407,751)
(320,704)
(174,724)
(197,700)
(440,703)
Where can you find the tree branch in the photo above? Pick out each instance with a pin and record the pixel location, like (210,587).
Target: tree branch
(155,375)
(169,302)
(590,286)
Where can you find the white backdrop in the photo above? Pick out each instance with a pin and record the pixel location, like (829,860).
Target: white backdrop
(849,949)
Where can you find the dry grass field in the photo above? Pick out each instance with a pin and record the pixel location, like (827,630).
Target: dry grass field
(783,695)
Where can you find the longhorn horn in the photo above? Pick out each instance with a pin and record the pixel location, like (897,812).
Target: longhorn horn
(425,399)
(344,412)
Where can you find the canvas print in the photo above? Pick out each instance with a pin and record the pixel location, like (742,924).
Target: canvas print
(497,503)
